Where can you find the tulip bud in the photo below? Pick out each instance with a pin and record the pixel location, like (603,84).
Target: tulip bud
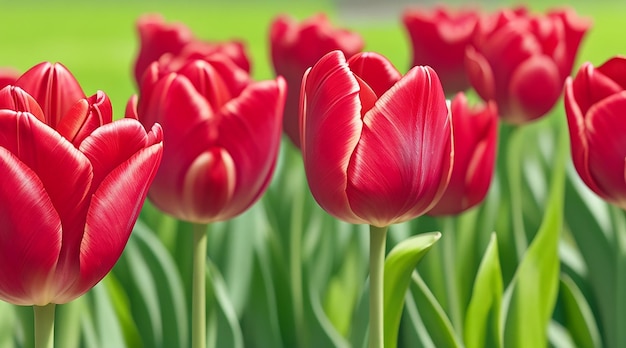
(76,182)
(475,132)
(439,38)
(376,145)
(297,46)
(222,132)
(595,100)
(521,61)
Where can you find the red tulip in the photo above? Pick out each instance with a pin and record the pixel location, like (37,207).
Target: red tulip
(521,60)
(8,76)
(158,38)
(439,38)
(475,132)
(222,133)
(295,47)
(75,183)
(595,101)
(377,146)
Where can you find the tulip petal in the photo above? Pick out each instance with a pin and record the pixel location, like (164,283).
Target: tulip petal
(396,170)
(527,102)
(30,237)
(579,143)
(112,145)
(480,74)
(250,132)
(157,38)
(85,117)
(113,211)
(55,162)
(330,129)
(615,68)
(592,85)
(15,98)
(376,70)
(54,87)
(607,153)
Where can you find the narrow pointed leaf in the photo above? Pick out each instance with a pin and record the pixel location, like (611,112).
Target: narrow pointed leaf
(536,279)
(399,265)
(482,320)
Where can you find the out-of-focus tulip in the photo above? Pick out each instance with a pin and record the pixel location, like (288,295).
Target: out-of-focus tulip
(222,132)
(296,46)
(595,100)
(73,184)
(475,132)
(521,60)
(8,76)
(376,145)
(158,38)
(439,38)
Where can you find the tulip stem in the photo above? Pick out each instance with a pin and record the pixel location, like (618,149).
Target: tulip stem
(450,272)
(44,326)
(378,238)
(514,164)
(198,292)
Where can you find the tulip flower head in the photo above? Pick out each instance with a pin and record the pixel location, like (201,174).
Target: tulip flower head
(158,38)
(75,182)
(521,60)
(475,141)
(439,37)
(296,46)
(595,100)
(376,145)
(222,132)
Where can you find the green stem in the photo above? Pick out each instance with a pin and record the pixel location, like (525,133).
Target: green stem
(450,272)
(44,326)
(198,292)
(378,238)
(619,236)
(514,166)
(295,267)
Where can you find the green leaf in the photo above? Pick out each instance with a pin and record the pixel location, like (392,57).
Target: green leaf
(67,323)
(482,320)
(578,316)
(533,290)
(222,325)
(107,325)
(435,320)
(399,264)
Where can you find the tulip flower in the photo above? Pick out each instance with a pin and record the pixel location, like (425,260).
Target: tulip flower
(377,148)
(475,132)
(439,38)
(521,60)
(595,100)
(222,132)
(75,182)
(8,76)
(158,38)
(296,46)
(375,144)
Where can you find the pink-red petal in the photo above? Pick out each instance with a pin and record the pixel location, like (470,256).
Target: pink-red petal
(330,129)
(607,153)
(397,167)
(54,87)
(30,237)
